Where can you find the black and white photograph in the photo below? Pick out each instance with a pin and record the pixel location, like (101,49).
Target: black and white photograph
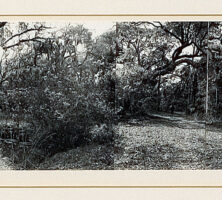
(111,95)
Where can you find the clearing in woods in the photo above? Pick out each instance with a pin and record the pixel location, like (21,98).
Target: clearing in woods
(165,141)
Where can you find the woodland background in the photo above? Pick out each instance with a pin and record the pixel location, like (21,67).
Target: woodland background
(143,95)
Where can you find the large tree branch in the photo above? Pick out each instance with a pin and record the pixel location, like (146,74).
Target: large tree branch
(178,51)
(168,68)
(199,48)
(187,32)
(168,31)
(26,31)
(23,41)
(2,24)
(190,56)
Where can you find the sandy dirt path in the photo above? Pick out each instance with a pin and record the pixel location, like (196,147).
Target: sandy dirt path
(167,142)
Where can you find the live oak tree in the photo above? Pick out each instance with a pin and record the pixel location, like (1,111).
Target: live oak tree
(143,50)
(165,51)
(15,37)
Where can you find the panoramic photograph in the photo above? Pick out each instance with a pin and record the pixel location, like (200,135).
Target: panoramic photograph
(104,95)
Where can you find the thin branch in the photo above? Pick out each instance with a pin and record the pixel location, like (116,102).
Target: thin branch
(83,60)
(22,41)
(26,31)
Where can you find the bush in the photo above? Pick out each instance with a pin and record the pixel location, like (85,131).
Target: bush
(102,134)
(61,138)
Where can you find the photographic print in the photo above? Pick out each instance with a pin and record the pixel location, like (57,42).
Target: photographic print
(102,95)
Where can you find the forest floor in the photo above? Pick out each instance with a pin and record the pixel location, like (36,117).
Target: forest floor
(159,141)
(165,141)
(5,164)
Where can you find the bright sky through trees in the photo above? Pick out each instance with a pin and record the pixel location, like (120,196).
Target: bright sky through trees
(96,27)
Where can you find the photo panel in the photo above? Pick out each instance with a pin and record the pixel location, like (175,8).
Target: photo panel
(169,92)
(57,101)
